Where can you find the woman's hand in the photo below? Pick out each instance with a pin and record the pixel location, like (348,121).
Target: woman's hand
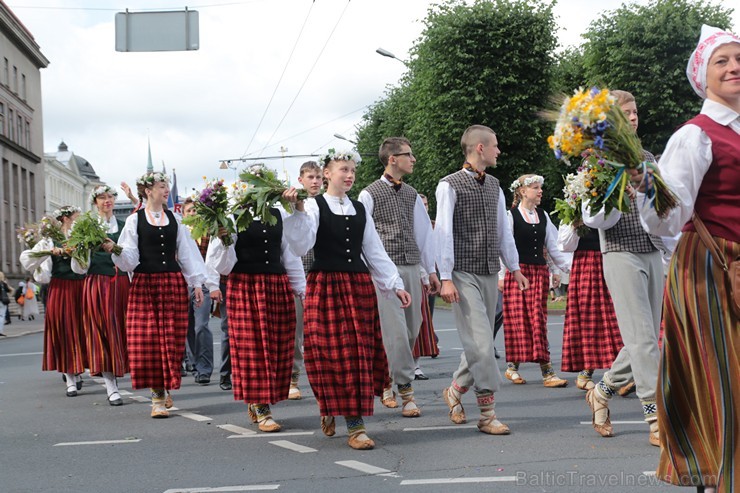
(216,296)
(223,233)
(108,245)
(198,296)
(291,195)
(522,281)
(405,298)
(57,251)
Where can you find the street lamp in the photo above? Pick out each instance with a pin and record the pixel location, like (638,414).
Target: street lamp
(342,137)
(386,53)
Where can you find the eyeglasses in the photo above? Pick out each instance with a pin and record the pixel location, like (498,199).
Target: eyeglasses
(409,154)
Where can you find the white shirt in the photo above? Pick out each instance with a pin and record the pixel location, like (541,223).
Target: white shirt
(443,231)
(301,227)
(568,238)
(684,163)
(188,255)
(222,260)
(422,227)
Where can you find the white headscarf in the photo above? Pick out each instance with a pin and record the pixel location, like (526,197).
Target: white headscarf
(711,39)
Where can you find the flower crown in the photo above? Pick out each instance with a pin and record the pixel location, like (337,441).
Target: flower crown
(66,211)
(333,155)
(148,179)
(527,182)
(99,190)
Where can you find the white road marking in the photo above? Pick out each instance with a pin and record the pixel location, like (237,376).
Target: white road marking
(362,467)
(619,422)
(237,429)
(193,416)
(123,392)
(293,446)
(445,330)
(649,473)
(493,479)
(20,354)
(100,442)
(139,398)
(450,427)
(251,487)
(270,435)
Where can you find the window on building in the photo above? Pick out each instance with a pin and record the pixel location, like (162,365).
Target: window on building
(15,79)
(6,73)
(28,135)
(21,134)
(11,114)
(2,119)
(23,87)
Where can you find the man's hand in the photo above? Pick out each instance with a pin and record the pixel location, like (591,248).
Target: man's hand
(449,291)
(198,296)
(522,281)
(434,284)
(216,296)
(501,285)
(405,298)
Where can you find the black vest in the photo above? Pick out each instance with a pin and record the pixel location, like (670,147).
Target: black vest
(530,238)
(61,268)
(258,248)
(157,245)
(339,239)
(590,241)
(101,262)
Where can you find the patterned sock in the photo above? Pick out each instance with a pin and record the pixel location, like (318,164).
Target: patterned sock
(547,370)
(650,410)
(512,366)
(486,405)
(294,378)
(157,394)
(605,390)
(355,424)
(586,374)
(406,391)
(262,411)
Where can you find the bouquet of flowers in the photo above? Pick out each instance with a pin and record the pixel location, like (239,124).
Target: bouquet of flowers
(260,191)
(212,212)
(28,236)
(51,229)
(87,235)
(590,125)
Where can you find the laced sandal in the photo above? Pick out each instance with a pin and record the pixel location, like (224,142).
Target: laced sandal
(627,389)
(268,425)
(585,384)
(168,402)
(251,413)
(654,439)
(413,411)
(492,426)
(294,394)
(389,398)
(596,405)
(452,402)
(328,425)
(360,441)
(514,376)
(159,411)
(553,381)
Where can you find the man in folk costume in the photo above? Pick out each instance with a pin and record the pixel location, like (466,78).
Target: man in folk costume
(471,234)
(406,232)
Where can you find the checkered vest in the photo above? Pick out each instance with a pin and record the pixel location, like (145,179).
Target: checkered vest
(628,235)
(393,213)
(307,260)
(475,220)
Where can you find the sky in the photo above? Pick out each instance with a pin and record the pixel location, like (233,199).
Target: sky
(271,78)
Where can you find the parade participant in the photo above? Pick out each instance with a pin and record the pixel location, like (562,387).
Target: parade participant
(426,343)
(591,337)
(525,312)
(165,261)
(345,359)
(470,235)
(633,271)
(64,335)
(406,232)
(263,279)
(311,178)
(698,391)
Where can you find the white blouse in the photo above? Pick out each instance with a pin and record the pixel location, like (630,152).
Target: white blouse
(300,229)
(188,255)
(40,266)
(560,260)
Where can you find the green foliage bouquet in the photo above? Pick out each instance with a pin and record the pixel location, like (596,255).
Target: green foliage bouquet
(212,212)
(87,235)
(259,191)
(591,125)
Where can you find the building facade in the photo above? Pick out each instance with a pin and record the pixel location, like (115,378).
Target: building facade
(69,179)
(21,136)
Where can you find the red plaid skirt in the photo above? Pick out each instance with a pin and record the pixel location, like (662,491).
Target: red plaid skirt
(343,346)
(591,337)
(426,343)
(261,310)
(156,326)
(104,303)
(64,336)
(525,316)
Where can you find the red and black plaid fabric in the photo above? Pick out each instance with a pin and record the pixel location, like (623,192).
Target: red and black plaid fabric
(261,310)
(343,346)
(104,303)
(525,316)
(426,343)
(156,326)
(591,337)
(64,336)
(203,246)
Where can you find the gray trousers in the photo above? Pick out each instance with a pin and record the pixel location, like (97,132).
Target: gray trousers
(298,356)
(475,317)
(225,370)
(199,342)
(635,282)
(400,326)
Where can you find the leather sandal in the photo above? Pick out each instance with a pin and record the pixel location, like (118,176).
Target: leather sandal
(168,402)
(492,426)
(627,389)
(294,394)
(654,439)
(268,425)
(456,417)
(554,381)
(389,398)
(328,425)
(414,412)
(585,384)
(514,376)
(251,413)
(605,430)
(159,411)
(360,441)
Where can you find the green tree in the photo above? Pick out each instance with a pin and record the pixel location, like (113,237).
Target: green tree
(644,49)
(569,72)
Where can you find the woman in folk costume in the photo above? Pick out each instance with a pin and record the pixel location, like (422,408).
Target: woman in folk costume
(698,393)
(344,354)
(165,261)
(525,312)
(264,278)
(591,336)
(104,301)
(64,336)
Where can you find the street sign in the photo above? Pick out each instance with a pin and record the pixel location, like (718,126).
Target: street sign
(157,31)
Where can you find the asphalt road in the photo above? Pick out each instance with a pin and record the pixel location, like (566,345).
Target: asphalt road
(52,443)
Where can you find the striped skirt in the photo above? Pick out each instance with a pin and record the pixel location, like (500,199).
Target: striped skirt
(525,316)
(104,303)
(64,336)
(343,346)
(699,378)
(156,327)
(426,343)
(591,336)
(262,319)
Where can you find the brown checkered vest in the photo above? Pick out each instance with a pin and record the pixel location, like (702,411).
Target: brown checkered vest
(628,235)
(475,220)
(393,213)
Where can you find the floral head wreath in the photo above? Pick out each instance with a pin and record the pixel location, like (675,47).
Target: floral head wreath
(101,190)
(334,155)
(66,211)
(149,179)
(527,182)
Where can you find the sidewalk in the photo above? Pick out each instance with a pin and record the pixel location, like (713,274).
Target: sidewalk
(19,328)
